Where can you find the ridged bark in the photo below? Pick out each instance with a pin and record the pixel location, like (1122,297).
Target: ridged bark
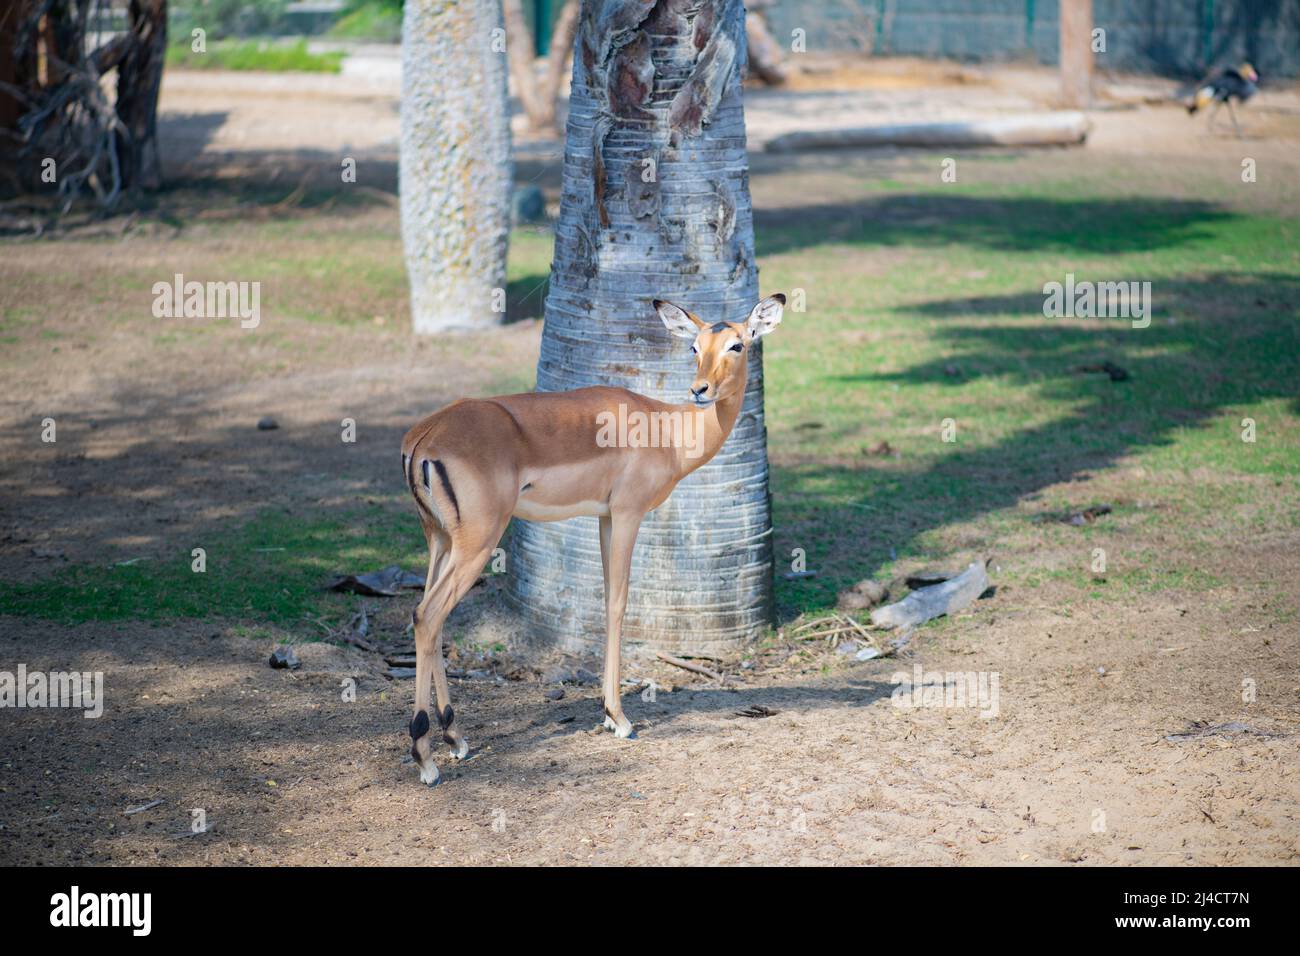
(455,162)
(659,82)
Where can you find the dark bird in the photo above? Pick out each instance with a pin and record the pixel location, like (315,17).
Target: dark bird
(1224,87)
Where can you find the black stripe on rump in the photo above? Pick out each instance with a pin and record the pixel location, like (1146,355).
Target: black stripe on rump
(410,483)
(446,486)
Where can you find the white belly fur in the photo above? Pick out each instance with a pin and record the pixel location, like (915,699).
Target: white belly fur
(533,511)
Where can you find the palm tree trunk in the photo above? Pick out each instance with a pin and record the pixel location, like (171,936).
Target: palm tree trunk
(655,204)
(455,170)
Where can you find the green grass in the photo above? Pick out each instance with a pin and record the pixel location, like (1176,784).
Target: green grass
(953,328)
(242,580)
(370,21)
(270,569)
(924,303)
(253,55)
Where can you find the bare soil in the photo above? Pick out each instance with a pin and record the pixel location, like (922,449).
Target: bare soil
(1075,768)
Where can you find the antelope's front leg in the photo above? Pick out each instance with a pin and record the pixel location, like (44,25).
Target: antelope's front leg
(617,537)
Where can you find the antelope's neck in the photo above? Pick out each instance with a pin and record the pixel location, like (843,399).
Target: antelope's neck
(712,425)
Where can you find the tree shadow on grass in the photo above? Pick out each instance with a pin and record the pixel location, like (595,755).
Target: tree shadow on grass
(525,298)
(1011,223)
(203,183)
(247,186)
(1215,342)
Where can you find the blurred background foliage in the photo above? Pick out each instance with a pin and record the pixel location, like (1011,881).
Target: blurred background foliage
(226,18)
(375,20)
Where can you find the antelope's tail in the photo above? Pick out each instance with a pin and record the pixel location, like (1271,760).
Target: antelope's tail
(429,482)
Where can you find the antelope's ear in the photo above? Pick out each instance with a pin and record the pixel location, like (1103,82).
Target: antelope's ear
(678,321)
(766,315)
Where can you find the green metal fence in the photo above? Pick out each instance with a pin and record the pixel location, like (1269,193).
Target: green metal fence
(1174,37)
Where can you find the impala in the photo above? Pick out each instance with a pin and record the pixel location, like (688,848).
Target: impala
(547,456)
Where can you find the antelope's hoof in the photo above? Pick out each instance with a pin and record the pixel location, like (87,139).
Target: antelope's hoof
(460,751)
(429,774)
(622,728)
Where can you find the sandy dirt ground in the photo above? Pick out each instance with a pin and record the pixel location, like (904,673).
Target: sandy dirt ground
(1081,764)
(1076,766)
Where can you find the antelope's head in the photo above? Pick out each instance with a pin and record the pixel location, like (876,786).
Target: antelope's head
(721,349)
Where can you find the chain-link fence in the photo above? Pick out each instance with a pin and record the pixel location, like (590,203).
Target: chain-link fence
(1173,37)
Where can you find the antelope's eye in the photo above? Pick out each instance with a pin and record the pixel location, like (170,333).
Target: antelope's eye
(736,348)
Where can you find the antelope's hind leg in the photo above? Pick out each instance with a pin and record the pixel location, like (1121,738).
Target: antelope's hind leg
(427,618)
(452,572)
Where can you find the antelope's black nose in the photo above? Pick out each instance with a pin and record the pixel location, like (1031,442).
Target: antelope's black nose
(698,390)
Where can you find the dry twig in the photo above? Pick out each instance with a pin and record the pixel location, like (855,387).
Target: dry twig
(690,666)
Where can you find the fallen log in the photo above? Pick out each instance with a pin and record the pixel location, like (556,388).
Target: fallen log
(926,603)
(1039,129)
